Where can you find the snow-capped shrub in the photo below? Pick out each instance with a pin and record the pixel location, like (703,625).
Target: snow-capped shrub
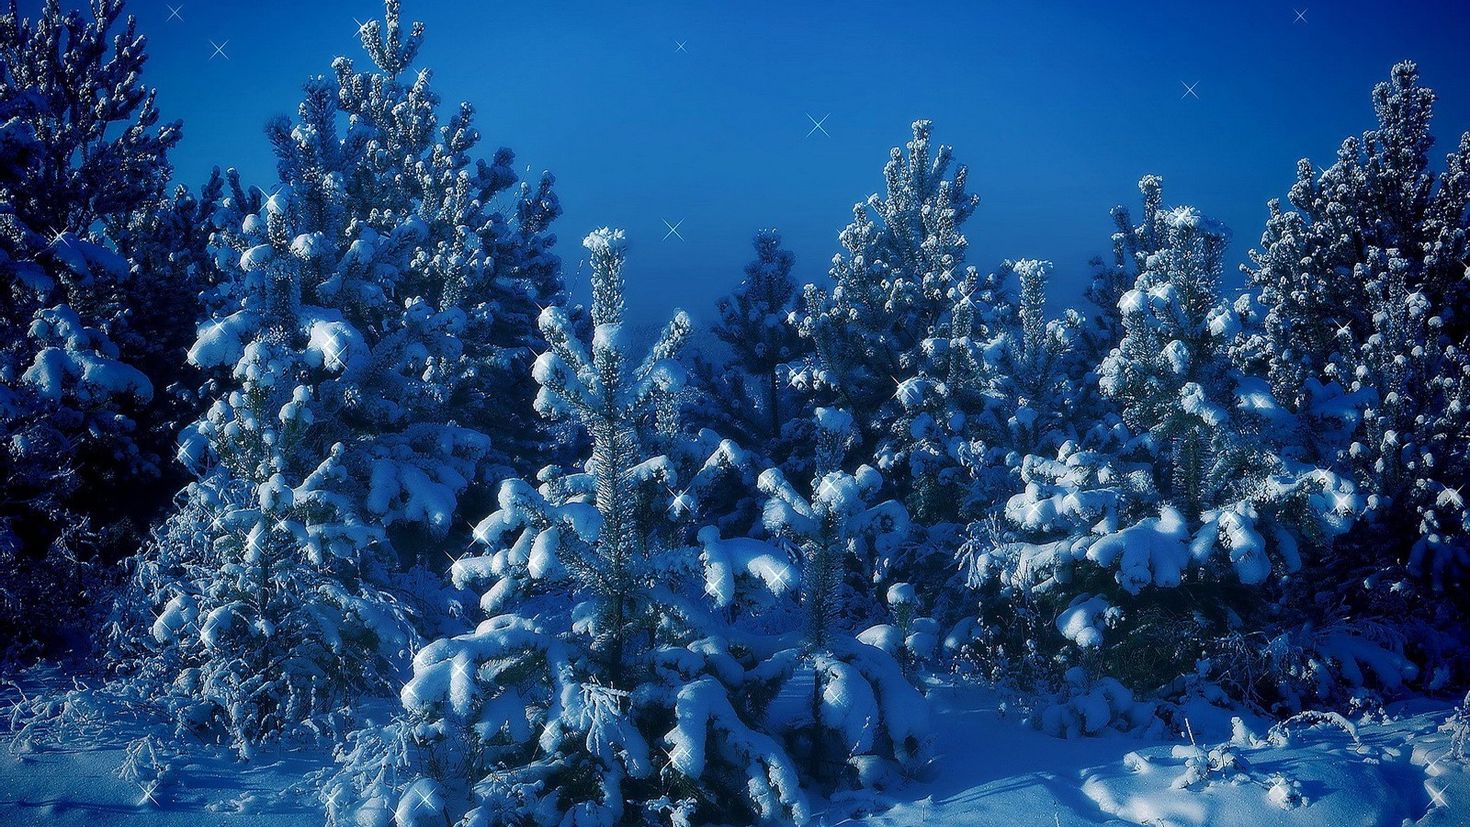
(1085,708)
(1294,669)
(1458,725)
(844,705)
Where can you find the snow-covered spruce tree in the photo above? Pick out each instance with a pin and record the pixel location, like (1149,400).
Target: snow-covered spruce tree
(941,402)
(83,158)
(903,255)
(359,321)
(1366,299)
(603,687)
(997,382)
(902,341)
(1154,529)
(1000,383)
(1012,641)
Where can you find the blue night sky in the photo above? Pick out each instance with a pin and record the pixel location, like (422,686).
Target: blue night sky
(1057,108)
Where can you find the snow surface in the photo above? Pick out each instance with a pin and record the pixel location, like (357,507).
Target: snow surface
(989,768)
(74,779)
(996,770)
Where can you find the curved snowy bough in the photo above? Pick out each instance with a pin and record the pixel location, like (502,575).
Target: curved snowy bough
(1096,504)
(847,713)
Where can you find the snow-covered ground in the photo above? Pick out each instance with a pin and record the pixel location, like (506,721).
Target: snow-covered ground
(990,769)
(80,786)
(995,770)
(78,775)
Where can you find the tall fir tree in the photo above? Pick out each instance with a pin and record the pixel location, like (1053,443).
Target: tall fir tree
(997,383)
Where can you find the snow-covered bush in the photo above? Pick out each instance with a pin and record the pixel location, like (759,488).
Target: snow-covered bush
(82,156)
(1458,725)
(843,704)
(1085,708)
(369,307)
(846,537)
(1285,669)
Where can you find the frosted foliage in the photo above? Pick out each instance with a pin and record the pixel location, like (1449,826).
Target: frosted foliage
(1230,487)
(865,713)
(998,382)
(902,255)
(85,366)
(519,561)
(836,528)
(948,372)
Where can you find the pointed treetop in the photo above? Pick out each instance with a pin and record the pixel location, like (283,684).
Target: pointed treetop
(385,43)
(607,246)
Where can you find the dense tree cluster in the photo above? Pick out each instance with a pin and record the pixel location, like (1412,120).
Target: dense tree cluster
(698,580)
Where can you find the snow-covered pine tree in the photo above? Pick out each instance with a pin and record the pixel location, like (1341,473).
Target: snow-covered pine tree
(365,306)
(903,255)
(946,401)
(1364,334)
(173,278)
(1160,515)
(603,687)
(84,157)
(1103,327)
(748,396)
(1361,329)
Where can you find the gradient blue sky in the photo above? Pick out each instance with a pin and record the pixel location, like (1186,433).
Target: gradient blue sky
(1057,108)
